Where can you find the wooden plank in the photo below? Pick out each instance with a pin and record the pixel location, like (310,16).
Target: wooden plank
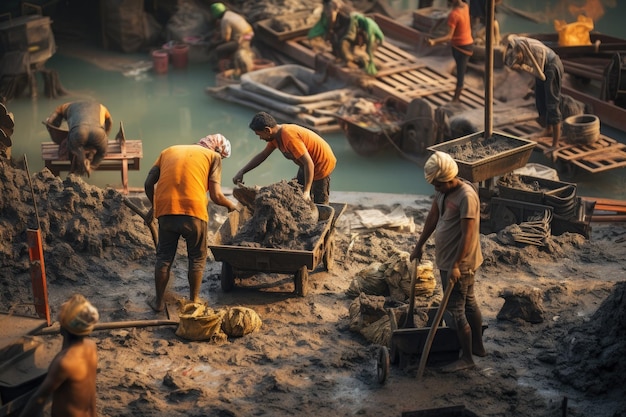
(576,152)
(608,204)
(601,165)
(121,156)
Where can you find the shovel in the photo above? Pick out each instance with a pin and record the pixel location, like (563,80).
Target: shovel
(433,330)
(409,322)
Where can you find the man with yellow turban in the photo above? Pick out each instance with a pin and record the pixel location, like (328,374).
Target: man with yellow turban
(71,378)
(455,218)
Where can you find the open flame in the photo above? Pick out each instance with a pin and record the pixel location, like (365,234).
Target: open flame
(577,33)
(574,34)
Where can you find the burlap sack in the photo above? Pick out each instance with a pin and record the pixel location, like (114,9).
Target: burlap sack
(397,272)
(425,283)
(240,321)
(200,322)
(369,280)
(365,310)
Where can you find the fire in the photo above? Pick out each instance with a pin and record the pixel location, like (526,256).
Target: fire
(573,34)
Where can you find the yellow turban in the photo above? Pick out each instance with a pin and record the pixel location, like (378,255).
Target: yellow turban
(78,316)
(440,167)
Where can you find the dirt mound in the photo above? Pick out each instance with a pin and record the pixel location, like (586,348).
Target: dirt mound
(281,219)
(591,359)
(79,224)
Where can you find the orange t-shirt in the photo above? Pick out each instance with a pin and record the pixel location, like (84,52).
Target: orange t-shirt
(184,180)
(297,139)
(459,20)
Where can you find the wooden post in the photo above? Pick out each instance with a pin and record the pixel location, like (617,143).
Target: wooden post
(489,29)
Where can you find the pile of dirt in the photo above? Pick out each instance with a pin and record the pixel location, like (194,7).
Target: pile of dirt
(282,219)
(481,148)
(79,225)
(592,355)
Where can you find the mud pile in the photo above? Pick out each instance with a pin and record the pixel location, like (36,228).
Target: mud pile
(592,355)
(79,224)
(281,219)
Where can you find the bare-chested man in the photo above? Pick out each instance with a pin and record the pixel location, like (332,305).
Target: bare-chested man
(71,378)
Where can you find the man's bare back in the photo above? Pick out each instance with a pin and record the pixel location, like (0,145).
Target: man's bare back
(71,378)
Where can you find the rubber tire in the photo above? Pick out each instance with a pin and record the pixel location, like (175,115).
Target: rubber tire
(328,256)
(227,277)
(301,282)
(583,129)
(382,365)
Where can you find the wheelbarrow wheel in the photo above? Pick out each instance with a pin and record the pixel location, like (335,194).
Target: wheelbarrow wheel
(382,365)
(227,277)
(301,282)
(328,258)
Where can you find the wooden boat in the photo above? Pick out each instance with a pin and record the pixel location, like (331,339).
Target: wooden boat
(295,94)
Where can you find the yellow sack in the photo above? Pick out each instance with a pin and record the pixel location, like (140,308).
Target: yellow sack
(200,322)
(240,321)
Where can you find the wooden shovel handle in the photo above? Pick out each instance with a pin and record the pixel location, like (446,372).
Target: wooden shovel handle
(433,330)
(409,322)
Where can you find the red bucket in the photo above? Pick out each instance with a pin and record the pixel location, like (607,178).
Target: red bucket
(180,54)
(160,61)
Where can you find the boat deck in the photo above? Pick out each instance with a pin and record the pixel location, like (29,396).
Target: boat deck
(603,155)
(406,76)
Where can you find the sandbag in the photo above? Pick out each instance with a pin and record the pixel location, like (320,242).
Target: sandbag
(369,280)
(200,322)
(240,321)
(365,310)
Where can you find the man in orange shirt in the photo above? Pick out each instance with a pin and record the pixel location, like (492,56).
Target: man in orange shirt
(182,175)
(460,37)
(306,148)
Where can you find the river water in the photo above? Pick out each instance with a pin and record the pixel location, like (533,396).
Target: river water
(162,110)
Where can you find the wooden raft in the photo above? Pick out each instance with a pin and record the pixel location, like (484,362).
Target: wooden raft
(121,156)
(604,154)
(401,75)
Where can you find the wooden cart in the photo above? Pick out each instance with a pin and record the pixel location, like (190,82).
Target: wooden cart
(236,259)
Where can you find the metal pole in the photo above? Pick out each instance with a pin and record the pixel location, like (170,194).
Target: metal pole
(489,29)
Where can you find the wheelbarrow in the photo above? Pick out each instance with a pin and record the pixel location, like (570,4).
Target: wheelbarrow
(408,341)
(237,260)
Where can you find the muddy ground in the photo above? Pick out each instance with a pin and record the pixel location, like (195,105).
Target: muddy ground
(305,359)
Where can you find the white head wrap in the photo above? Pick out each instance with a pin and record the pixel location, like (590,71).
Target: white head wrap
(217,143)
(78,316)
(440,167)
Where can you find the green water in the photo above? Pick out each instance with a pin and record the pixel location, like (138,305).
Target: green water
(173,108)
(163,110)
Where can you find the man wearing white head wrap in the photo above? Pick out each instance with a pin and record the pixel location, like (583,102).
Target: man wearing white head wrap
(440,167)
(217,143)
(454,217)
(71,378)
(177,186)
